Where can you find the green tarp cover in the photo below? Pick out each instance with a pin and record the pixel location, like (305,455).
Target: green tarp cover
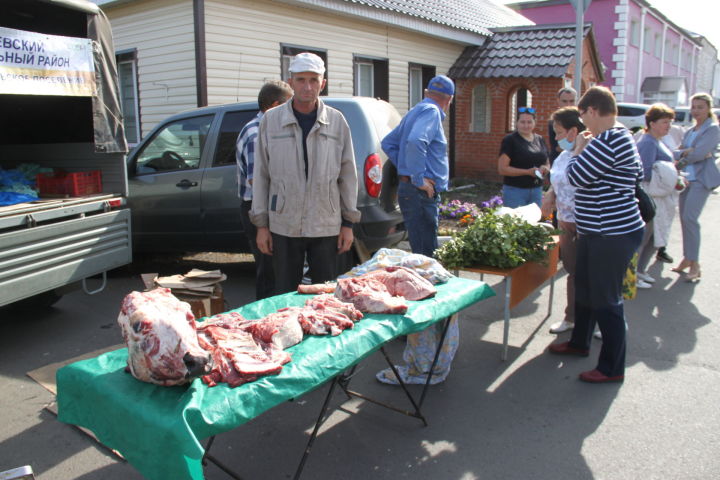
(158,429)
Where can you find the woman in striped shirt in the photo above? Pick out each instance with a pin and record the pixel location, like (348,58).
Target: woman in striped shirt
(605,170)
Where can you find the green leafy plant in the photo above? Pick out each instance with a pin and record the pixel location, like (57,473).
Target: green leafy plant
(495,240)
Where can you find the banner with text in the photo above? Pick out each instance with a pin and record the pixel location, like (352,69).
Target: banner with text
(38,64)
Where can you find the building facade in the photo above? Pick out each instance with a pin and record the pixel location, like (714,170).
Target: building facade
(175,55)
(636,42)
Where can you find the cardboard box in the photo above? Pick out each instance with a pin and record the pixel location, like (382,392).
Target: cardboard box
(205,306)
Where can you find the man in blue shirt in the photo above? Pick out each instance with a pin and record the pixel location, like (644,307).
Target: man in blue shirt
(418,148)
(271,95)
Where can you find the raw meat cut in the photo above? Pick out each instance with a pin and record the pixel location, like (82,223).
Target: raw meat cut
(384,290)
(314,289)
(332,303)
(279,328)
(238,356)
(160,333)
(404,282)
(369,295)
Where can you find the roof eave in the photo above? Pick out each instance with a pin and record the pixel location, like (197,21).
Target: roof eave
(395,19)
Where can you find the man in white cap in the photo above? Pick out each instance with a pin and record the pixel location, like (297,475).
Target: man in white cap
(418,148)
(305,181)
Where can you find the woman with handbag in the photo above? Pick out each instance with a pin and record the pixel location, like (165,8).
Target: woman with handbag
(696,157)
(659,181)
(605,171)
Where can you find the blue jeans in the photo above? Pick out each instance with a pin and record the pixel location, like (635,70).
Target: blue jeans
(514,197)
(420,214)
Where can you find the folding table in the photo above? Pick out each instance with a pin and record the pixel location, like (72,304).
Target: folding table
(159,429)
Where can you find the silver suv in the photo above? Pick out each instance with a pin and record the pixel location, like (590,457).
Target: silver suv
(183,191)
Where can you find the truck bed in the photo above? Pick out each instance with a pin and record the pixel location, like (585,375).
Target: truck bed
(51,243)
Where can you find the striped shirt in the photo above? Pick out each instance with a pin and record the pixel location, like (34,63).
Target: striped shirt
(245,156)
(606,173)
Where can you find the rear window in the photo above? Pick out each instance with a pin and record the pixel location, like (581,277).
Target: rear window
(624,111)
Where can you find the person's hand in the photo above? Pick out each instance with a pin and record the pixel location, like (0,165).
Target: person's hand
(544,169)
(581,141)
(345,239)
(264,240)
(548,205)
(428,187)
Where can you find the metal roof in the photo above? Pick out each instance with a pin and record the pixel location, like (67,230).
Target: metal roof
(540,51)
(477,16)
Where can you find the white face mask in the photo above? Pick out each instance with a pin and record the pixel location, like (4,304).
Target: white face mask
(566,145)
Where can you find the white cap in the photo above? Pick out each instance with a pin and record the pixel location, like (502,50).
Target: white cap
(307,62)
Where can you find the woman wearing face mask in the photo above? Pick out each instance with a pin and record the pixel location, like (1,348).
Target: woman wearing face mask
(523,160)
(660,179)
(696,157)
(561,196)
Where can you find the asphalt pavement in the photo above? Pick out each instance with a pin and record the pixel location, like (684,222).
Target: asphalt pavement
(526,418)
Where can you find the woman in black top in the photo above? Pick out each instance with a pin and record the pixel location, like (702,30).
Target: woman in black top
(523,160)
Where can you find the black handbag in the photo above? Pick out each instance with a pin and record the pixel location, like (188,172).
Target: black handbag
(645,203)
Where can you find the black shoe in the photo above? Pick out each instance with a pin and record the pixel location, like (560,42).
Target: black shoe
(663,256)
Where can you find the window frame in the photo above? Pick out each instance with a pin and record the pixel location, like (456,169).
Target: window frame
(634,33)
(427,72)
(516,101)
(129,56)
(287,51)
(486,114)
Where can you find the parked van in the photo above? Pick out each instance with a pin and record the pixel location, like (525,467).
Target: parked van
(183,184)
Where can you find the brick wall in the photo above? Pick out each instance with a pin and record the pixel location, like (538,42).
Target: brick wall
(476,153)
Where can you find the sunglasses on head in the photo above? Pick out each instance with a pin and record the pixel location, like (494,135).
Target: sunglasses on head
(526,110)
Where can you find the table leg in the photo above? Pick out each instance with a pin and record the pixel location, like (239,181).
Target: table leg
(319,422)
(437,356)
(506,328)
(207,457)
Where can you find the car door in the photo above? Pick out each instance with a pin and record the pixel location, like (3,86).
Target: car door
(165,175)
(219,193)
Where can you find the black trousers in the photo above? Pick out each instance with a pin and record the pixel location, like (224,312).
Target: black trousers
(264,275)
(601,264)
(289,258)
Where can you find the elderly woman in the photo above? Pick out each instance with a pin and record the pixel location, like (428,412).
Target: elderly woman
(696,157)
(605,170)
(561,197)
(523,160)
(660,182)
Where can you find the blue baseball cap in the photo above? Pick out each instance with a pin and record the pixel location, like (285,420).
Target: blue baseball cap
(442,84)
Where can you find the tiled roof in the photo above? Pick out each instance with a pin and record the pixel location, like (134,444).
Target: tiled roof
(541,51)
(477,16)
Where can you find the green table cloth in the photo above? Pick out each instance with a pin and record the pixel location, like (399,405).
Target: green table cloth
(158,429)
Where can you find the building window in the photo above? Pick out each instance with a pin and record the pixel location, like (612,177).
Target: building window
(287,52)
(480,109)
(634,33)
(371,77)
(127,79)
(418,78)
(521,97)
(658,45)
(674,57)
(647,40)
(668,51)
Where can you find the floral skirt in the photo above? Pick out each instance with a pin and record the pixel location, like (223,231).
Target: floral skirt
(420,352)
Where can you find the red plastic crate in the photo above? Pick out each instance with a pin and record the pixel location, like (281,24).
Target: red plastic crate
(73,184)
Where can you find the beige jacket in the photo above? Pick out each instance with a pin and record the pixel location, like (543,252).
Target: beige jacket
(283,199)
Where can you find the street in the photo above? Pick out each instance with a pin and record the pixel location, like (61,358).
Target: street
(526,418)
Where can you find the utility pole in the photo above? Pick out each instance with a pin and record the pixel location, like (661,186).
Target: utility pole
(580,7)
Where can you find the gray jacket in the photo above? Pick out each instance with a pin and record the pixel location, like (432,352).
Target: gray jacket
(283,199)
(706,141)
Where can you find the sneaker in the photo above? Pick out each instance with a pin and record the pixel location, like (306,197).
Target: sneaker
(597,334)
(663,256)
(645,277)
(561,327)
(642,284)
